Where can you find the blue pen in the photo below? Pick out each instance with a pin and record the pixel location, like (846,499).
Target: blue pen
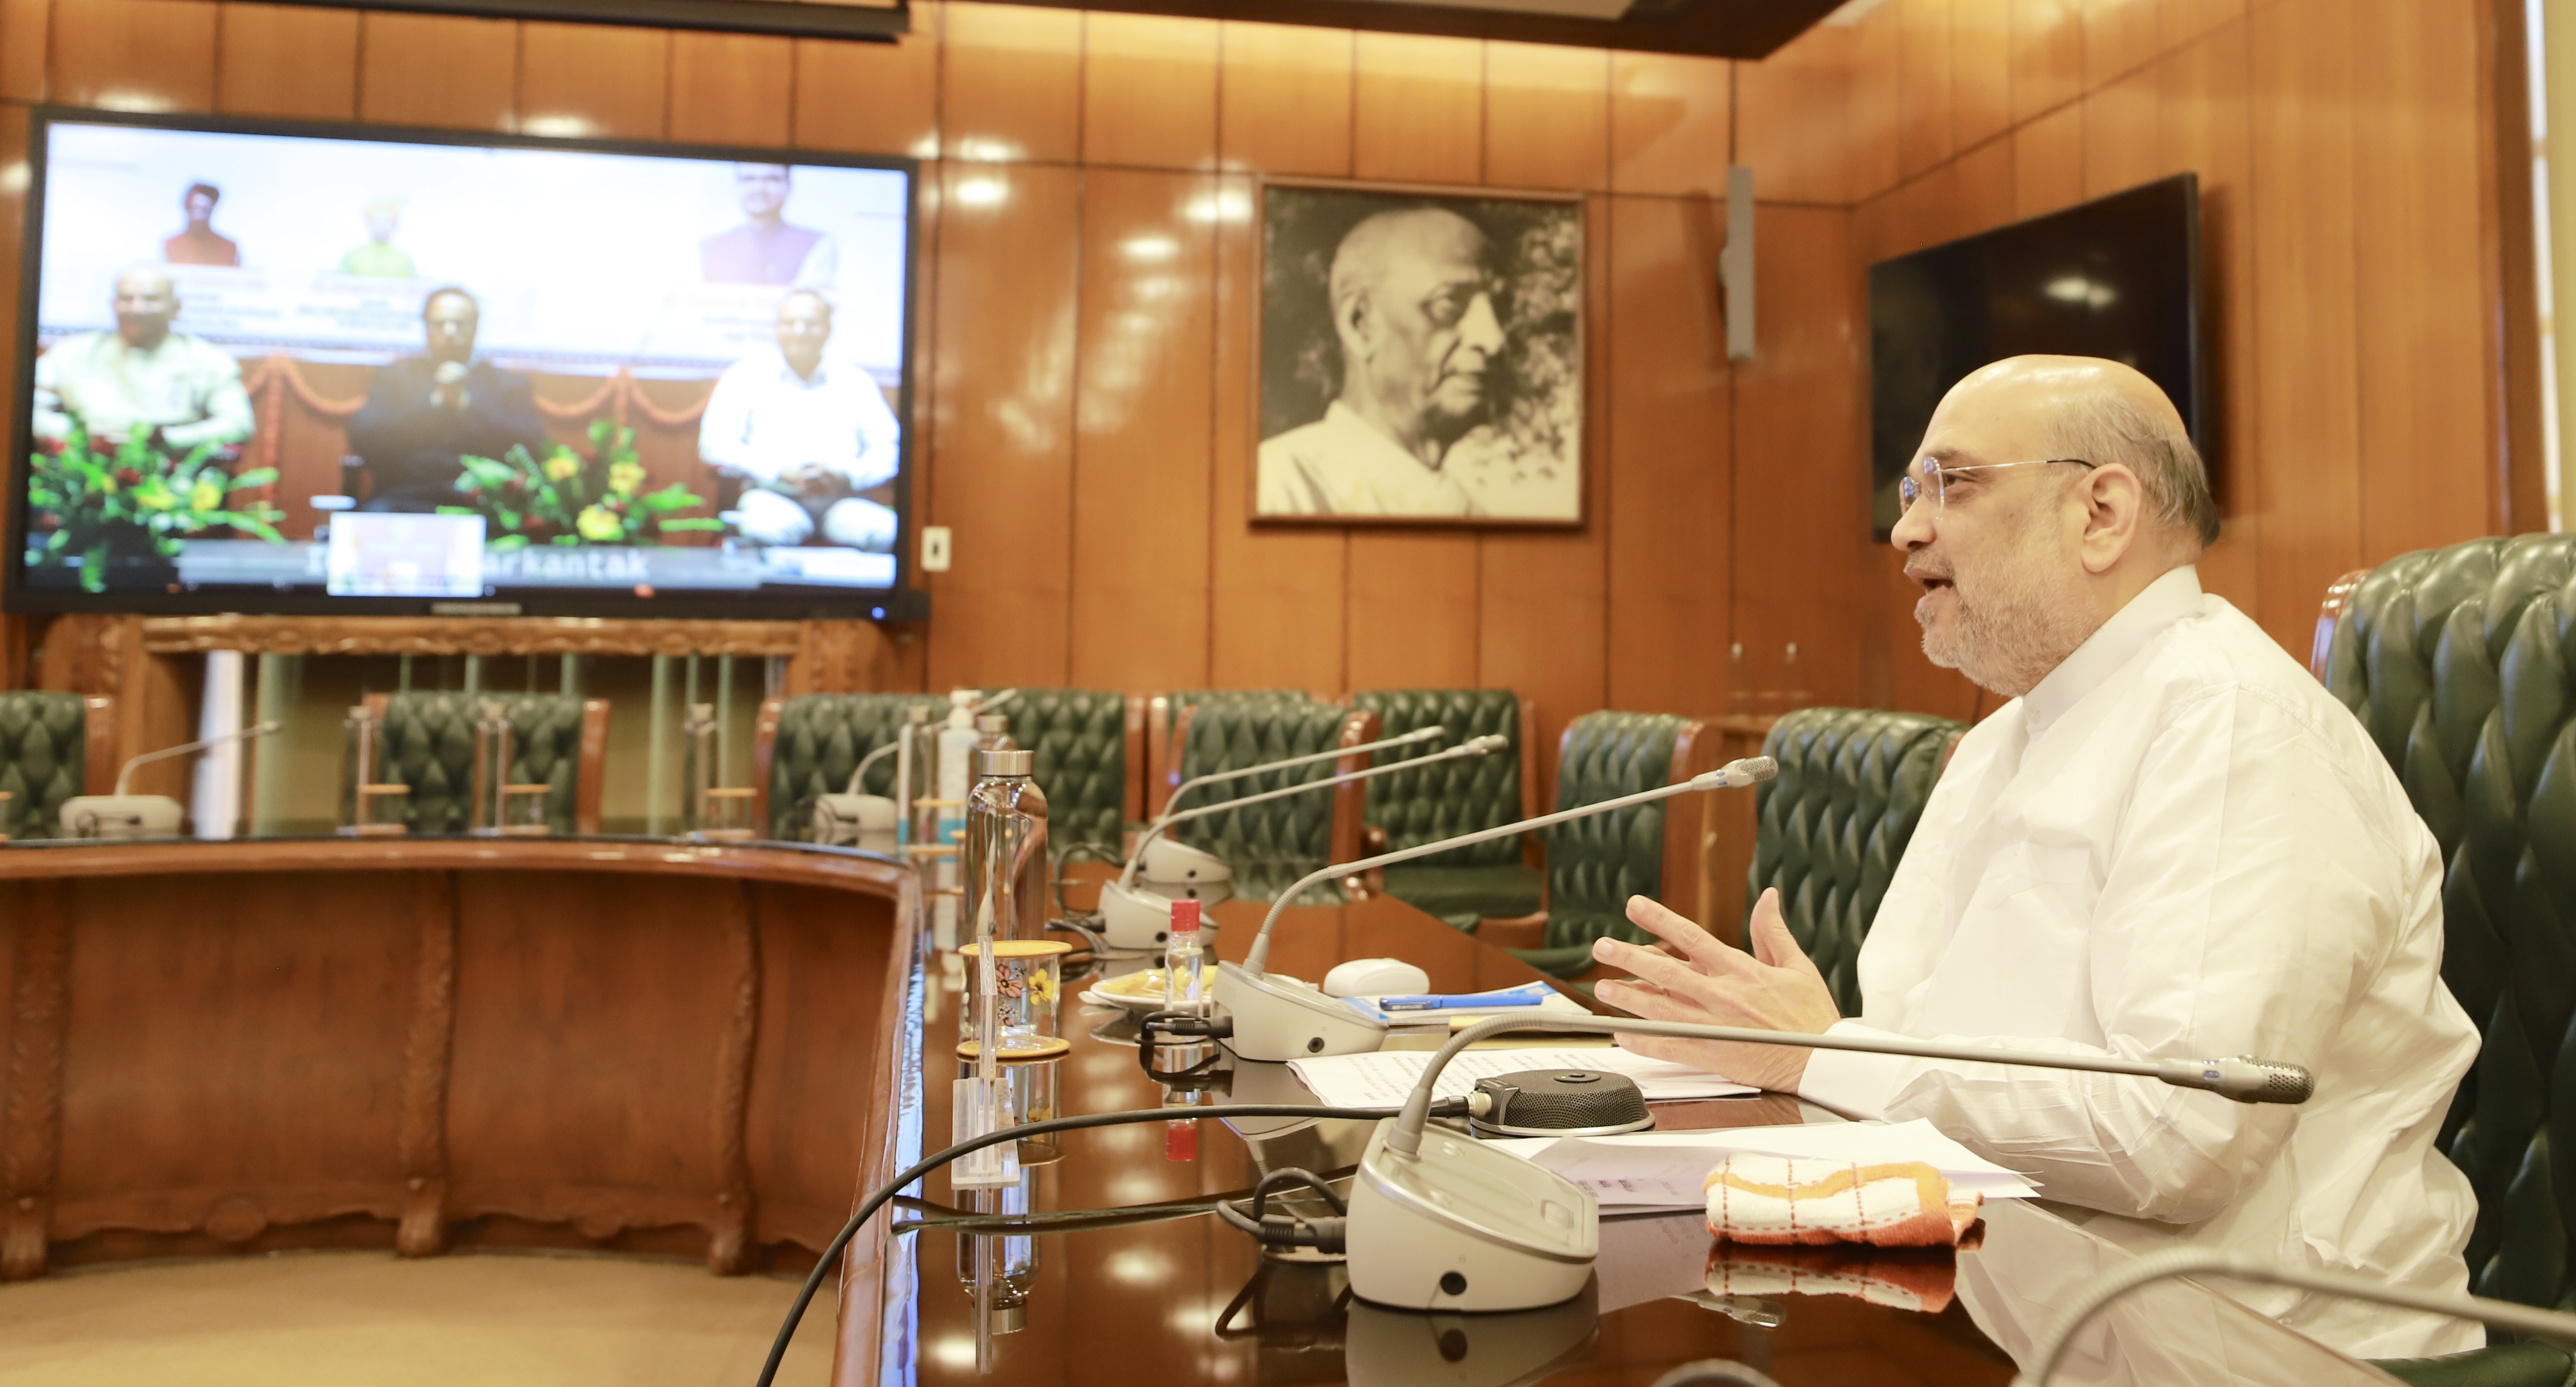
(1513,997)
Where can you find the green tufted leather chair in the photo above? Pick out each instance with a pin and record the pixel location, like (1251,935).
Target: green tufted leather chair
(52,746)
(1594,865)
(1852,785)
(559,740)
(1165,717)
(1468,884)
(1271,845)
(808,745)
(1086,764)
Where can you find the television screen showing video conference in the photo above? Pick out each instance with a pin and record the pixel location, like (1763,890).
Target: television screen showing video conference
(271,370)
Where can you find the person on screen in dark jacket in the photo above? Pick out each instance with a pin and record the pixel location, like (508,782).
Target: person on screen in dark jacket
(425,412)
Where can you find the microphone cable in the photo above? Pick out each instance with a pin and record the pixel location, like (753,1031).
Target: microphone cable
(867,1208)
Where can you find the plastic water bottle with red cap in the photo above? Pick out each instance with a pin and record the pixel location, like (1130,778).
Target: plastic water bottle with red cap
(1185,962)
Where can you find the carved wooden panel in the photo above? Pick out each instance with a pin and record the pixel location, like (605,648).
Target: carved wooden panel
(439,635)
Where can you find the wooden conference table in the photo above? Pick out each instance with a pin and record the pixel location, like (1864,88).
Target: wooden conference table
(642,1046)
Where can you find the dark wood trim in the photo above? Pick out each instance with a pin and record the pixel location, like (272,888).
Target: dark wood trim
(764,758)
(2508,254)
(1698,747)
(729,1242)
(31,1144)
(1134,799)
(99,733)
(845,868)
(1350,802)
(873,23)
(2329,616)
(1163,734)
(874,1275)
(1745,29)
(426,1063)
(438,635)
(590,773)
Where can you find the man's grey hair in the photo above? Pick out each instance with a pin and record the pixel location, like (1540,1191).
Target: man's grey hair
(2103,427)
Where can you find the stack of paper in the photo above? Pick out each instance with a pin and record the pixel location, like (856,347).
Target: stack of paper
(1666,1170)
(1386,1078)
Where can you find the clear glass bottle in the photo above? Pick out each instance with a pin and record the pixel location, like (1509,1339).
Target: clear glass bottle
(1185,962)
(697,765)
(1004,854)
(916,752)
(491,768)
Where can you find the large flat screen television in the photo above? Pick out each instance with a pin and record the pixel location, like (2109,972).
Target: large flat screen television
(289,369)
(2118,277)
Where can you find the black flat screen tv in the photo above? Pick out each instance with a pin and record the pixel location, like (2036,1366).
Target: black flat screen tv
(2118,277)
(320,369)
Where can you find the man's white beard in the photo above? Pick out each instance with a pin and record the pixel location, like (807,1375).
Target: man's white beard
(2020,624)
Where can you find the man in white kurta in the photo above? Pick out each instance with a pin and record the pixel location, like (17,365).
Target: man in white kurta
(811,437)
(144,375)
(2170,842)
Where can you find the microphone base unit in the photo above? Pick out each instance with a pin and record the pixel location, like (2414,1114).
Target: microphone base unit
(1461,1226)
(1140,916)
(1166,863)
(121,816)
(1404,1348)
(1278,1018)
(839,820)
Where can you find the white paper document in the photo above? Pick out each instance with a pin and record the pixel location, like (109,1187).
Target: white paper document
(1385,1078)
(1668,1170)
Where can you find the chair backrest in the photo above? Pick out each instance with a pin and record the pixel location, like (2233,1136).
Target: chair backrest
(2458,661)
(808,745)
(1271,845)
(1166,714)
(1418,807)
(557,740)
(1595,864)
(52,746)
(1852,785)
(1086,762)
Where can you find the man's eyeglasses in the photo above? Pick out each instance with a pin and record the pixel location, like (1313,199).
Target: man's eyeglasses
(1929,478)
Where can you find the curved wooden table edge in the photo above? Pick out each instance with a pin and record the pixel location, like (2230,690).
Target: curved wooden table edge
(757,861)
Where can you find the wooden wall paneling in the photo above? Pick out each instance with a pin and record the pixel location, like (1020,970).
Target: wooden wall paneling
(806,1122)
(135,55)
(2183,21)
(2120,129)
(1668,508)
(2048,162)
(1547,116)
(1277,591)
(1923,94)
(2047,55)
(287,60)
(872,98)
(2431,459)
(1010,82)
(1981,85)
(1284,93)
(23,48)
(594,81)
(1420,106)
(1801,454)
(1926,211)
(731,88)
(436,70)
(1874,103)
(1141,464)
(1671,123)
(2203,117)
(1149,91)
(2120,36)
(2305,471)
(1982,180)
(1794,117)
(1001,379)
(586,1090)
(157,708)
(1543,596)
(232,1060)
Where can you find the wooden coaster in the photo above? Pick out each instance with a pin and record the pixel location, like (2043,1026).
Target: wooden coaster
(1045,1047)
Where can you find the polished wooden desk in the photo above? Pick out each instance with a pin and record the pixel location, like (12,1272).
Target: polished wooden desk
(622,1045)
(1161,1292)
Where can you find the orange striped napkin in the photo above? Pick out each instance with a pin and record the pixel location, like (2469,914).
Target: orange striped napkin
(1802,1199)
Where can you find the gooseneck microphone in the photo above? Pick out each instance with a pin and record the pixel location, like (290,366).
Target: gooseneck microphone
(123,777)
(1528,1236)
(1171,814)
(1275,1017)
(1133,917)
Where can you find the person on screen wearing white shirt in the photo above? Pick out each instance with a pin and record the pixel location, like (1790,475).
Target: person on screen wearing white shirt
(142,376)
(2170,842)
(813,439)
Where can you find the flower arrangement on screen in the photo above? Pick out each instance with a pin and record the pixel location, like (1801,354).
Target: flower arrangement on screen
(90,506)
(564,498)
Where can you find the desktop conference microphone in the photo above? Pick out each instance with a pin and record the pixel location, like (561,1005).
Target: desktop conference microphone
(1276,1017)
(1168,861)
(1439,1221)
(1132,917)
(121,815)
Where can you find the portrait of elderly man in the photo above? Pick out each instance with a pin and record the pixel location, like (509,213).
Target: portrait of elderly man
(199,243)
(425,412)
(766,249)
(1412,296)
(144,375)
(811,438)
(2170,841)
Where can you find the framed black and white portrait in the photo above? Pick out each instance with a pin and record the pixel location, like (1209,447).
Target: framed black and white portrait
(1421,357)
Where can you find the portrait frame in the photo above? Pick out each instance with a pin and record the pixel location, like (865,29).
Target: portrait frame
(1524,460)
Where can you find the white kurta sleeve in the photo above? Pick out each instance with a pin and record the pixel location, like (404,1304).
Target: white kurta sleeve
(724,431)
(880,438)
(2244,904)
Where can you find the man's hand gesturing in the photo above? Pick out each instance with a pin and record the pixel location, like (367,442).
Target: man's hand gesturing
(1708,983)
